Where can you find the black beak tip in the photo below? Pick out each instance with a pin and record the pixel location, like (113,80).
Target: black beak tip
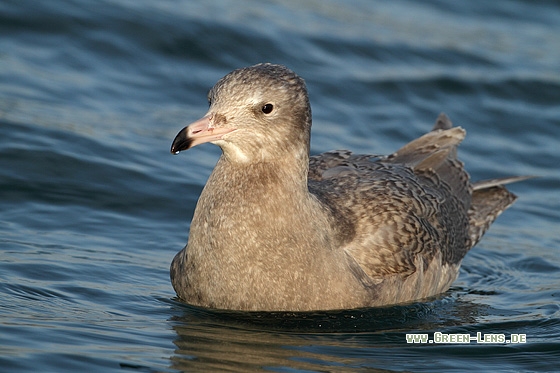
(181,142)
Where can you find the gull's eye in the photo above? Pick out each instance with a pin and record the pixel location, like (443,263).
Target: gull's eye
(267,109)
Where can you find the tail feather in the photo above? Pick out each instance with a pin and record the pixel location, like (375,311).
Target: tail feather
(489,199)
(485,184)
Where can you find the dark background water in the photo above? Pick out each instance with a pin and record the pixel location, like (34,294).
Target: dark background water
(93,207)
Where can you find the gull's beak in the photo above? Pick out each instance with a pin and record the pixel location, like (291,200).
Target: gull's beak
(197,133)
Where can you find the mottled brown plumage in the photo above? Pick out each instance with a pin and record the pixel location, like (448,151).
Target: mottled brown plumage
(277,230)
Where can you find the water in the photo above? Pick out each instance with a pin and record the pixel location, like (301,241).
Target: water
(94,207)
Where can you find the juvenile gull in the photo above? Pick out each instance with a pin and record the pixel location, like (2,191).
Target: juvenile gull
(275,229)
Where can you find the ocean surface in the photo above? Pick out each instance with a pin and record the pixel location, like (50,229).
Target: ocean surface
(93,206)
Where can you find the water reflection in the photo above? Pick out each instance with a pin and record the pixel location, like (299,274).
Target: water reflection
(340,341)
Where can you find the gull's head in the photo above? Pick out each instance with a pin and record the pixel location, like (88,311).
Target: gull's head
(258,113)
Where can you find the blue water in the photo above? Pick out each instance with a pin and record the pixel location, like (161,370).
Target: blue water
(93,207)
